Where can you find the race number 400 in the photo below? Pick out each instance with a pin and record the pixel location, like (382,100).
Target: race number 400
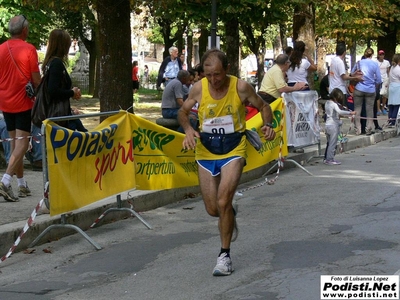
(359,287)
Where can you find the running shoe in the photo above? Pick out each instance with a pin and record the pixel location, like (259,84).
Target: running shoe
(24,191)
(224,265)
(7,193)
(332,162)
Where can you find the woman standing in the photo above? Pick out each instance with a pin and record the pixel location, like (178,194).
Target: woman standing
(300,65)
(59,82)
(365,91)
(394,89)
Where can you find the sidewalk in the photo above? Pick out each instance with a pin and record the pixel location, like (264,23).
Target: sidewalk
(14,216)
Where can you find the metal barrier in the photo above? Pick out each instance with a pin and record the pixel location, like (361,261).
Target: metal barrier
(302,131)
(46,184)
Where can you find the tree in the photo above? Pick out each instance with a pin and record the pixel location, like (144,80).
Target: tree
(304,30)
(115,89)
(115,69)
(255,19)
(39,21)
(353,22)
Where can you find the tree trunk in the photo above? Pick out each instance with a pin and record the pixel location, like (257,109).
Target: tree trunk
(232,45)
(115,90)
(203,41)
(91,48)
(166,33)
(282,35)
(388,42)
(322,43)
(304,30)
(189,54)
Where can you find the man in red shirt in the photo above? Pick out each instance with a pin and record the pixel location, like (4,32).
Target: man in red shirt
(19,64)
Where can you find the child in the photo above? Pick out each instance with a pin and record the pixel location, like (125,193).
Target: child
(332,125)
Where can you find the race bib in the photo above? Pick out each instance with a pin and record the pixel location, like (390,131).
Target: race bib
(220,125)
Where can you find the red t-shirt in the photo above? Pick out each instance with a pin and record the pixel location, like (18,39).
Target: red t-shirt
(135,72)
(13,97)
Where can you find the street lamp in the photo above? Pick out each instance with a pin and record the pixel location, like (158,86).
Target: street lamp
(213,23)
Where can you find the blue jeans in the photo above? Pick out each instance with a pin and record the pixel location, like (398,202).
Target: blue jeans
(170,113)
(392,114)
(6,144)
(35,154)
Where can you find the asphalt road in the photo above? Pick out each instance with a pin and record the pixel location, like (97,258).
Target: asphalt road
(343,220)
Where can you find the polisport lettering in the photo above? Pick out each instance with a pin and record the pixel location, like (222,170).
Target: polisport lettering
(81,143)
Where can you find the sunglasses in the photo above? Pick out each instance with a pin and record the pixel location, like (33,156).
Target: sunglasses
(23,23)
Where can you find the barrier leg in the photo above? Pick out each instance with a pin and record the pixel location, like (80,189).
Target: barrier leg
(270,169)
(288,160)
(319,153)
(120,208)
(299,165)
(64,225)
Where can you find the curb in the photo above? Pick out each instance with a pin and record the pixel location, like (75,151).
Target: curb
(148,200)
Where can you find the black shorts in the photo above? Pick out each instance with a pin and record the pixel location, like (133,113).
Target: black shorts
(20,121)
(135,85)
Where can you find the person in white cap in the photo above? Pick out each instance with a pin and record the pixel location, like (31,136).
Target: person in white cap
(384,67)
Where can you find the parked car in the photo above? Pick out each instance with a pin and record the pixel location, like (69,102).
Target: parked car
(139,56)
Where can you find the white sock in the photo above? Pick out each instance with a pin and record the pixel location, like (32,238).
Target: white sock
(21,181)
(6,180)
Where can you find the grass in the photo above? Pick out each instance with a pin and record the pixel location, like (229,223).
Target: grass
(147,105)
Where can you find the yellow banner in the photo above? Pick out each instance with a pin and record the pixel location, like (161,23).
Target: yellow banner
(84,167)
(161,163)
(125,152)
(270,149)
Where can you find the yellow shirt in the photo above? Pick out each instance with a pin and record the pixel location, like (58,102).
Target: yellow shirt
(226,115)
(273,81)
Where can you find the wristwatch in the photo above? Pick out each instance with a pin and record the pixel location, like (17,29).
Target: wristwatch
(269,125)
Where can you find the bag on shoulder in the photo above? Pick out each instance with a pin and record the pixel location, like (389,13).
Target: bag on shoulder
(39,109)
(220,143)
(30,91)
(44,108)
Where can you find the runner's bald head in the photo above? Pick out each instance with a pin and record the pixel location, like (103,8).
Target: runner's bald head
(215,54)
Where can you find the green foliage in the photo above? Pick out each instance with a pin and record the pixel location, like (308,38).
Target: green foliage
(153,77)
(37,21)
(136,98)
(72,62)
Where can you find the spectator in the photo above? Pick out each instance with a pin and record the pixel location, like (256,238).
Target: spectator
(365,91)
(169,68)
(300,65)
(19,61)
(4,136)
(274,84)
(333,123)
(146,75)
(394,90)
(172,98)
(59,82)
(384,67)
(200,72)
(337,72)
(324,93)
(186,87)
(288,51)
(182,58)
(221,97)
(135,76)
(34,153)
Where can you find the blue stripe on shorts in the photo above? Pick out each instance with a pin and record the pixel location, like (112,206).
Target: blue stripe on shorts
(215,166)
